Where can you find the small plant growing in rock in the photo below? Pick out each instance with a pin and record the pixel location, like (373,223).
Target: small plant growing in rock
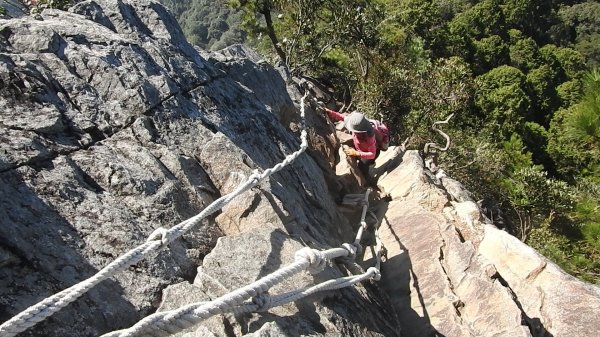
(39,5)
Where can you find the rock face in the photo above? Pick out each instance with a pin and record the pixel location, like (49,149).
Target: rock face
(451,273)
(112,125)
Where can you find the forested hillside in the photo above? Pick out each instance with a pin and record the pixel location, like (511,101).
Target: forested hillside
(518,75)
(211,25)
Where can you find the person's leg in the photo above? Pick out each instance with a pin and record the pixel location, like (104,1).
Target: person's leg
(366,166)
(357,171)
(363,167)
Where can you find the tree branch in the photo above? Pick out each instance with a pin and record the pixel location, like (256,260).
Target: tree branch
(434,127)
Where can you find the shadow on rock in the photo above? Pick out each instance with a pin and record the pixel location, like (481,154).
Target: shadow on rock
(399,279)
(39,257)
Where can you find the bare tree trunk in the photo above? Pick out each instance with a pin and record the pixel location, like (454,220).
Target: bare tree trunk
(273,37)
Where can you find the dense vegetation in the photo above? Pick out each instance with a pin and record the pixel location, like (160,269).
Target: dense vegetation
(209,24)
(517,74)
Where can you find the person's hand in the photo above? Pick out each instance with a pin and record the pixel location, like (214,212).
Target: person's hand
(350,152)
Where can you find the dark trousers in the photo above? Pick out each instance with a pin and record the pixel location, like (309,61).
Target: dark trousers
(364,164)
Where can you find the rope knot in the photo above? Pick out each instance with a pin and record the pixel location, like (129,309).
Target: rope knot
(255,177)
(376,273)
(160,234)
(262,301)
(315,258)
(352,250)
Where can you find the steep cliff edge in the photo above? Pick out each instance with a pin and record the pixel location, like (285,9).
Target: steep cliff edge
(113,125)
(451,273)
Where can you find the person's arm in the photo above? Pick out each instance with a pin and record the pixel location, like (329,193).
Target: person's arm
(370,149)
(336,116)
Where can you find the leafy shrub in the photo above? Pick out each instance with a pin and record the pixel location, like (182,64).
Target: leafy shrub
(56,4)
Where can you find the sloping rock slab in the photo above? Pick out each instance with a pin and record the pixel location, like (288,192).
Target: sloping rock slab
(240,260)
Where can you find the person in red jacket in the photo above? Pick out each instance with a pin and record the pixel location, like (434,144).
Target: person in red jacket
(363,137)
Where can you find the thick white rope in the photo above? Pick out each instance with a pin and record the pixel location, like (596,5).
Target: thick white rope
(159,238)
(170,322)
(342,282)
(306,258)
(261,302)
(52,304)
(363,224)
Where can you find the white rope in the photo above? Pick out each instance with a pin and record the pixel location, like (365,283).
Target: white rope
(306,258)
(174,321)
(159,238)
(261,302)
(54,303)
(170,322)
(363,224)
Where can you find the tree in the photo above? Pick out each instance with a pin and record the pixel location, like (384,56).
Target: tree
(421,18)
(542,83)
(490,52)
(571,61)
(262,9)
(502,98)
(574,141)
(581,26)
(519,14)
(524,54)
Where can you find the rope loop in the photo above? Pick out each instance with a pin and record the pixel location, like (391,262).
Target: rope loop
(352,250)
(376,273)
(255,177)
(262,301)
(161,234)
(315,258)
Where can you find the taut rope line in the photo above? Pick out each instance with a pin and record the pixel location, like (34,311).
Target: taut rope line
(170,322)
(158,239)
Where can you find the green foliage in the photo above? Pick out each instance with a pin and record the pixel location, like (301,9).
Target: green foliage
(501,96)
(574,141)
(541,197)
(524,54)
(588,214)
(209,27)
(569,92)
(477,22)
(392,34)
(535,138)
(490,52)
(542,83)
(571,61)
(440,89)
(521,130)
(580,24)
(423,19)
(519,13)
(576,257)
(57,4)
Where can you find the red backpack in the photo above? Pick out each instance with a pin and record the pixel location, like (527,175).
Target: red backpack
(382,134)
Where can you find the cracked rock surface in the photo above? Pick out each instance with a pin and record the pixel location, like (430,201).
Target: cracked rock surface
(112,125)
(451,273)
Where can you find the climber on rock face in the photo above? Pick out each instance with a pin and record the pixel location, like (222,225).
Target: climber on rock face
(368,137)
